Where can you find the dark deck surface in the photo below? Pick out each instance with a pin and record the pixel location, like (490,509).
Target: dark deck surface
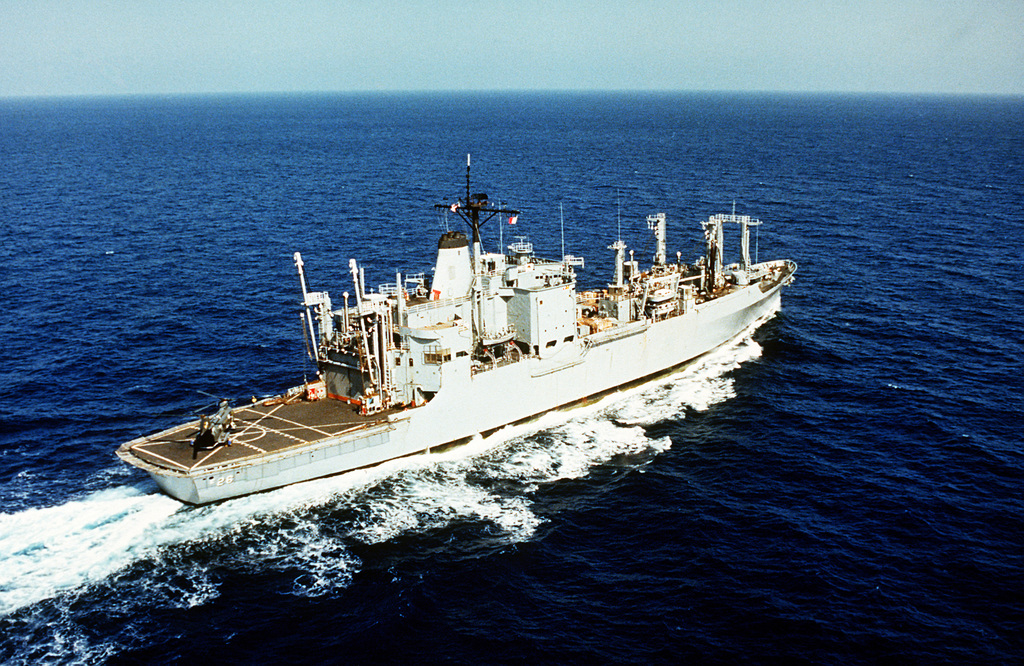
(259,429)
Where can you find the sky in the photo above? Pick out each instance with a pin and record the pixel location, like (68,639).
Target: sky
(129,47)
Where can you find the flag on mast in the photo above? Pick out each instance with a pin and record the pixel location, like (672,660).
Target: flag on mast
(512,219)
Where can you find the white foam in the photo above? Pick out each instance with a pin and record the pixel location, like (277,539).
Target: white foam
(435,491)
(172,584)
(44,551)
(324,559)
(572,450)
(698,386)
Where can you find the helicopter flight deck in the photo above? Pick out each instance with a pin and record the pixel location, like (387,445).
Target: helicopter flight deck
(260,430)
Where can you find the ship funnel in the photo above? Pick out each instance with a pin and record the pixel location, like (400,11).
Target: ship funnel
(453,275)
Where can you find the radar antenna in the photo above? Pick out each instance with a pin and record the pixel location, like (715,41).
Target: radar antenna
(470,209)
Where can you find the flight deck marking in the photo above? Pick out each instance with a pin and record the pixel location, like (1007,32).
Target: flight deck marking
(251,427)
(264,430)
(262,416)
(258,424)
(299,426)
(205,458)
(168,460)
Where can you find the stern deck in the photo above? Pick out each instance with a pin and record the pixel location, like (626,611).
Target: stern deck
(260,429)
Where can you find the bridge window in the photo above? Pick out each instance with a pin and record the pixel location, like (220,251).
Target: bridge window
(437,356)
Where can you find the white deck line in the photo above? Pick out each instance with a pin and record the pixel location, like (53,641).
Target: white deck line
(204,459)
(308,427)
(262,416)
(168,460)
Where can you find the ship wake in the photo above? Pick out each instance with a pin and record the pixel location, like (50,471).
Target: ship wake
(129,546)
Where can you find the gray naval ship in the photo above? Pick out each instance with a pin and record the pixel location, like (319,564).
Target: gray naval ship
(495,339)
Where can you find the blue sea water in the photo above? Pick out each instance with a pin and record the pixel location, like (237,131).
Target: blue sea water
(843,485)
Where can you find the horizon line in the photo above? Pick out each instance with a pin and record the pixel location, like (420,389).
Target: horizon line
(508,91)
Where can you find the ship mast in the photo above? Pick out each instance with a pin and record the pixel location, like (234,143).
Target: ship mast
(475,210)
(470,209)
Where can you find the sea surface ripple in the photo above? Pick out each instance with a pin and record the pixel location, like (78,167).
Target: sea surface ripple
(842,484)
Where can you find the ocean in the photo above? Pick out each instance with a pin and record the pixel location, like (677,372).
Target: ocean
(842,484)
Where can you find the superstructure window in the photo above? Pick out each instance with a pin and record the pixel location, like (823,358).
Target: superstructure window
(437,356)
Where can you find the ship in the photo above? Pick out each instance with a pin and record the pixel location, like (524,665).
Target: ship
(494,339)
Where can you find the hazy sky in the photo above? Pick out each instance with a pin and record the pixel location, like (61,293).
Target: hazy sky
(72,47)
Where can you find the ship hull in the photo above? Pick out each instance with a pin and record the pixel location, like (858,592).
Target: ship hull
(472,403)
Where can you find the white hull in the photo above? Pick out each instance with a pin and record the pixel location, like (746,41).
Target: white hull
(470,404)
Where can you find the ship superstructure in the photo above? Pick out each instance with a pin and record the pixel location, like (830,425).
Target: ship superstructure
(495,338)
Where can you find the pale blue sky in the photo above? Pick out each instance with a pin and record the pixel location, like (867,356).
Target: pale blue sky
(101,47)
